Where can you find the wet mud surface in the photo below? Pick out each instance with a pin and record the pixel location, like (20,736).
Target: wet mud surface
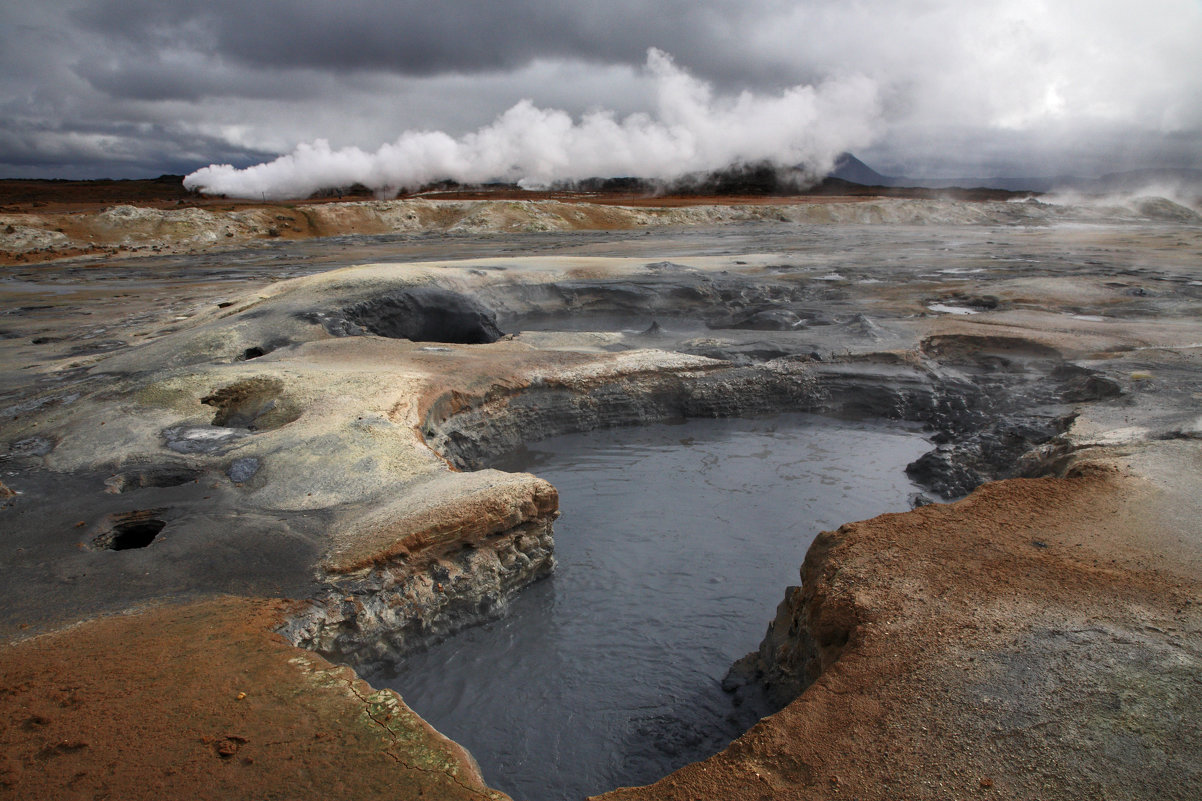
(650,603)
(261,423)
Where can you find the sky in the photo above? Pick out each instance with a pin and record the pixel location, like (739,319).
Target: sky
(538,90)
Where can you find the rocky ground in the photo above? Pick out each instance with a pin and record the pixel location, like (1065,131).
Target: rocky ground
(48,220)
(183,438)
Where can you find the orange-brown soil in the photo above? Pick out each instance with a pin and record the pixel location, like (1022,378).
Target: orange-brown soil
(204,702)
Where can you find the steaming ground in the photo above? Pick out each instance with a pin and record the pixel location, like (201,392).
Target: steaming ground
(691,131)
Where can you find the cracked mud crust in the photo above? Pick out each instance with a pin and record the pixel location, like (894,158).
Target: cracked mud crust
(202,702)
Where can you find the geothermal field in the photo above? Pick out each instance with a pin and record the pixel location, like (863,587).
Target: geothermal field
(553,495)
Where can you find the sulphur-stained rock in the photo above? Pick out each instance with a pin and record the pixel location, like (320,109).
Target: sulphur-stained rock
(451,554)
(275,406)
(449,510)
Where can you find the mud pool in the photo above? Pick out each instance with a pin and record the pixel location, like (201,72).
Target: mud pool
(673,546)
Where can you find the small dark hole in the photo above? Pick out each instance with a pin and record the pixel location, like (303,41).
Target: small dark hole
(252,353)
(135,534)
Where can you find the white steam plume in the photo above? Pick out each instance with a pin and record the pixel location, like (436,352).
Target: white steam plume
(692,131)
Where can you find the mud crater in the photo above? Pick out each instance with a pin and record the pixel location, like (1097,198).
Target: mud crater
(987,403)
(609,671)
(129,531)
(419,314)
(152,476)
(256,404)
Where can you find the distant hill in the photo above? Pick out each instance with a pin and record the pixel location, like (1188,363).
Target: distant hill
(851,169)
(1135,180)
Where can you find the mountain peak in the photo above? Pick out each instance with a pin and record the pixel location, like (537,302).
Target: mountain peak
(850,168)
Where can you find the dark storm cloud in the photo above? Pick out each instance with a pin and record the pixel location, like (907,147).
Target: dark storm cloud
(1018,86)
(180,75)
(99,149)
(420,38)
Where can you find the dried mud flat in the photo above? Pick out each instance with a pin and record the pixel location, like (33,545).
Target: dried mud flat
(186,438)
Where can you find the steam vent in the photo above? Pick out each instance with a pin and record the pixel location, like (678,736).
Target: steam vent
(253,459)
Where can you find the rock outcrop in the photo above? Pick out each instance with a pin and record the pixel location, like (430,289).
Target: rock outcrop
(413,572)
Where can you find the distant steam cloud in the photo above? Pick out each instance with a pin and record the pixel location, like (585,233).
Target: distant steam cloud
(692,130)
